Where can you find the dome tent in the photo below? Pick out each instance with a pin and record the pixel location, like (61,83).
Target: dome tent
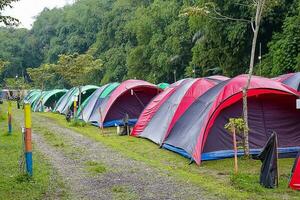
(66,101)
(199,134)
(89,110)
(48,99)
(130,97)
(176,99)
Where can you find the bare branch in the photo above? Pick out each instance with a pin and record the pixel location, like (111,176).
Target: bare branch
(245,5)
(227,17)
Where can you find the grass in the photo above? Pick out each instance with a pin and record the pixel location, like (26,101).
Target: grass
(78,123)
(59,141)
(122,192)
(215,177)
(95,168)
(14,184)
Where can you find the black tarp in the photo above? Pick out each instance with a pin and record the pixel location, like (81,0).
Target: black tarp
(269,169)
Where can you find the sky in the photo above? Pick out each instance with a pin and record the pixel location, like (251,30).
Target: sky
(26,10)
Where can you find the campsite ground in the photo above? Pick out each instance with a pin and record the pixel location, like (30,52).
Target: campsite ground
(88,162)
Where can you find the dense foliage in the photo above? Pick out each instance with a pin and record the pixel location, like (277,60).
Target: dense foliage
(149,39)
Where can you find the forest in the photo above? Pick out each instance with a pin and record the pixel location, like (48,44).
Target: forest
(101,41)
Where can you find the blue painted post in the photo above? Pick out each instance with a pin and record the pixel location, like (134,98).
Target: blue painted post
(9,118)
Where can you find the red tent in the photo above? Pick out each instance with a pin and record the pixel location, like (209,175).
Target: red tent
(200,135)
(295,178)
(291,79)
(130,97)
(162,113)
(151,109)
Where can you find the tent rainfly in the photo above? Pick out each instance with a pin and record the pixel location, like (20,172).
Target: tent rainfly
(48,99)
(130,98)
(89,111)
(292,80)
(161,114)
(66,102)
(199,134)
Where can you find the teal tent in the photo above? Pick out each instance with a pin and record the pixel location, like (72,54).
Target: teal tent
(163,85)
(66,101)
(48,100)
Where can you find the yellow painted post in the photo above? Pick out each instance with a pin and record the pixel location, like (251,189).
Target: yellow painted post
(75,109)
(9,118)
(28,138)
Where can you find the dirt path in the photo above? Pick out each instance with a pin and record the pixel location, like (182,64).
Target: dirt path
(117,177)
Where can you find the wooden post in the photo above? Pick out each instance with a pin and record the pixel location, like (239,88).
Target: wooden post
(101,123)
(75,108)
(9,117)
(235,151)
(278,174)
(28,142)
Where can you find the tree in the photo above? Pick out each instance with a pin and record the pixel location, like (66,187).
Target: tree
(70,71)
(284,49)
(7,20)
(255,24)
(45,76)
(210,10)
(141,38)
(16,83)
(79,70)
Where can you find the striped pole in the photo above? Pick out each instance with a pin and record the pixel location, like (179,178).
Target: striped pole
(9,117)
(28,145)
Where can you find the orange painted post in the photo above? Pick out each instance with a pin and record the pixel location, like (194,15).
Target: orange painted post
(28,142)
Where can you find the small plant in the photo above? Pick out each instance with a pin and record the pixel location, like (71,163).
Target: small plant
(95,167)
(118,189)
(236,126)
(239,126)
(21,178)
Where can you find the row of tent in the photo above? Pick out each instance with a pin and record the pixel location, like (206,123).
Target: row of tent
(102,106)
(188,116)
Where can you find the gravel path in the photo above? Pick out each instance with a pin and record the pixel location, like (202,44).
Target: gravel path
(123,178)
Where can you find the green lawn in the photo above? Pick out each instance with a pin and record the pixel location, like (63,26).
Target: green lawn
(15,185)
(216,177)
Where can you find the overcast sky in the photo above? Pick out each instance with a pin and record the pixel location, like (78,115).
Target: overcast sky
(26,10)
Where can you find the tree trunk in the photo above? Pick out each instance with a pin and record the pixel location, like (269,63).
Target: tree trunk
(235,150)
(259,9)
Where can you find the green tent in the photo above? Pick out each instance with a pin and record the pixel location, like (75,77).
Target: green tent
(100,93)
(163,85)
(30,94)
(67,102)
(48,100)
(35,96)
